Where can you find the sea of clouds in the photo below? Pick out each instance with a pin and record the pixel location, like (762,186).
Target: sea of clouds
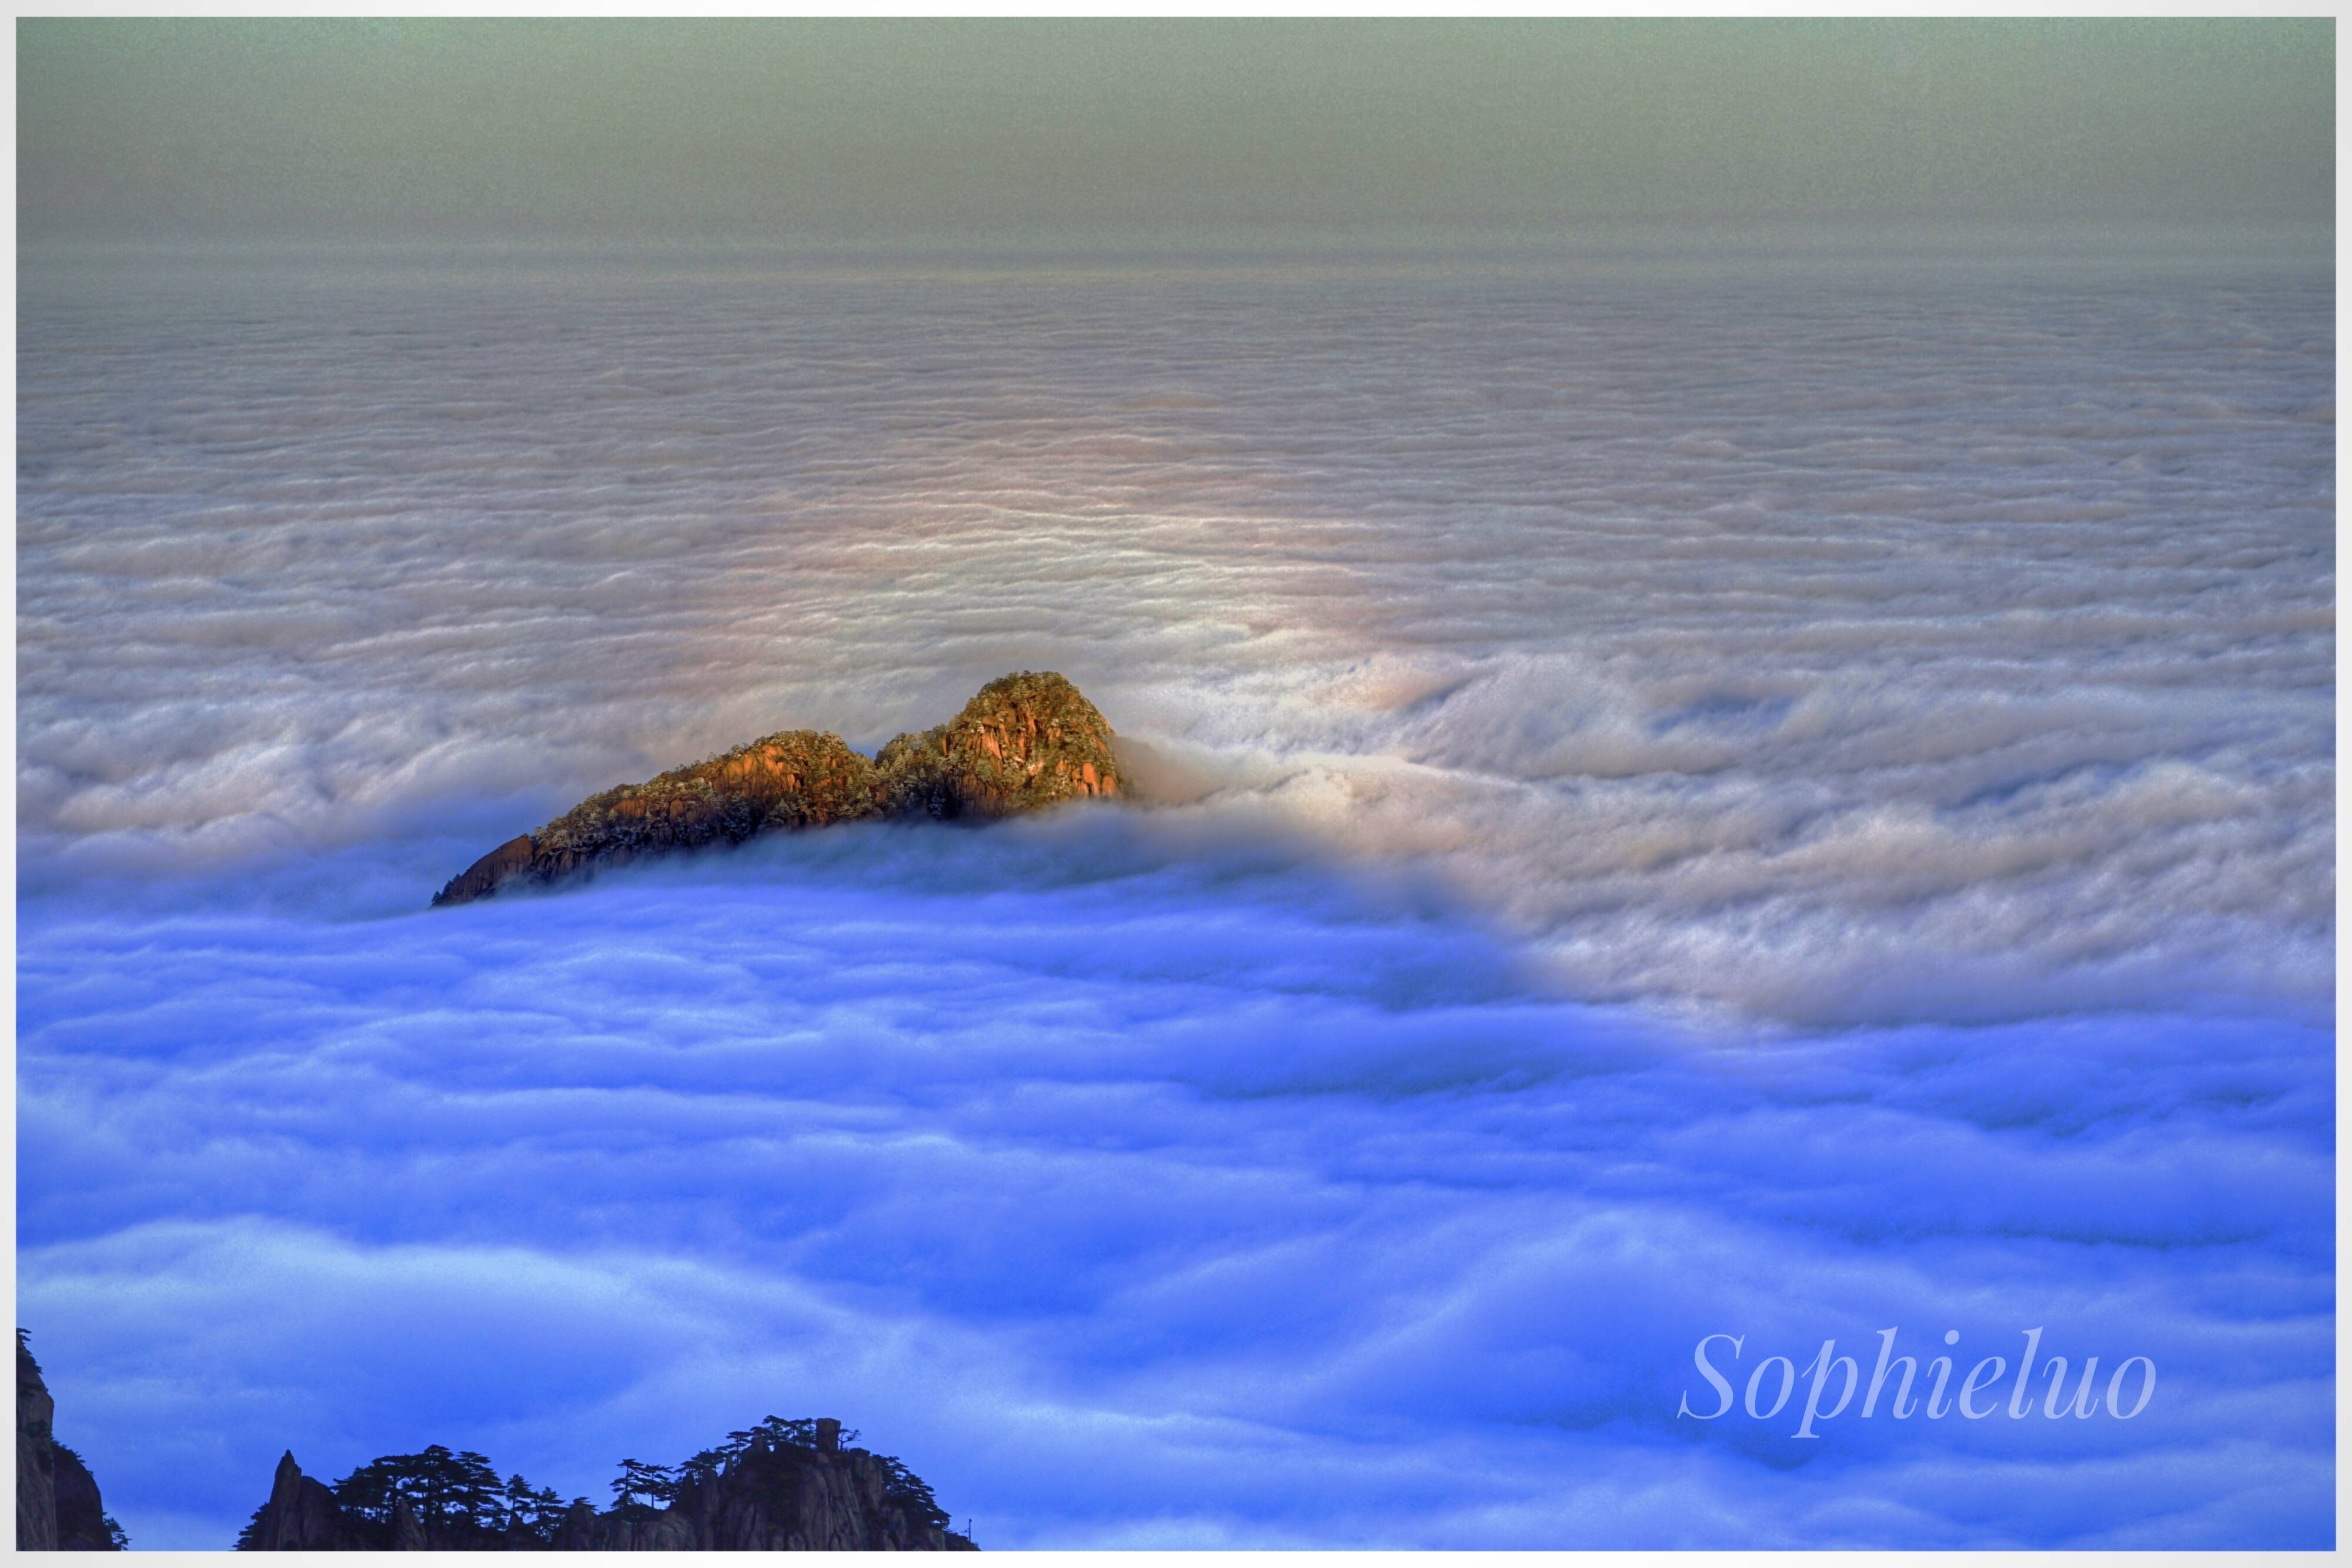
(1783,801)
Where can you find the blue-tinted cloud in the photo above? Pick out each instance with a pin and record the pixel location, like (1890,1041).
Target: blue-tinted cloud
(1146,1192)
(1722,806)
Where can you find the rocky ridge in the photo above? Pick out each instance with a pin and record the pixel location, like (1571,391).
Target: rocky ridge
(1026,742)
(782,1486)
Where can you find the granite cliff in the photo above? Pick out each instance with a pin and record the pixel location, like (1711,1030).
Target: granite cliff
(782,1486)
(1026,742)
(57,1505)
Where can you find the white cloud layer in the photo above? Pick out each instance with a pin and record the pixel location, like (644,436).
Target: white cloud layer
(1783,805)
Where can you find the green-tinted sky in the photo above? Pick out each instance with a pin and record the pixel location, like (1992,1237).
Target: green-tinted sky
(812,128)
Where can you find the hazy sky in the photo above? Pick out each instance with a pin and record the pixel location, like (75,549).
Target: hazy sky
(795,130)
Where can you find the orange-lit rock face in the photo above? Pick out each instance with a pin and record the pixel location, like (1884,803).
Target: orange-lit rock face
(1026,742)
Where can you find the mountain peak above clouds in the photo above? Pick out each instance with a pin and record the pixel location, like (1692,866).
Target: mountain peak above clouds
(1026,742)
